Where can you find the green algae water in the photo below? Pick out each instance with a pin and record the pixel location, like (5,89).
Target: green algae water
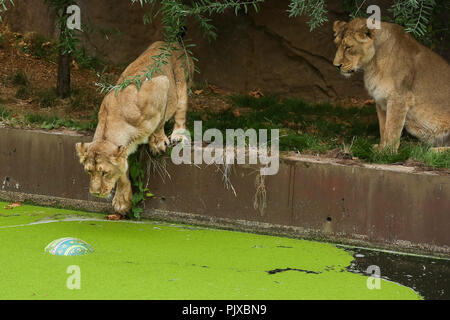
(165,261)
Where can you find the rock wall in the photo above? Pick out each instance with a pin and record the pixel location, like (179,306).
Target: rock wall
(265,50)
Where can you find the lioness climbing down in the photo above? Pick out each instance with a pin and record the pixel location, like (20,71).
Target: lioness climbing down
(409,82)
(133,117)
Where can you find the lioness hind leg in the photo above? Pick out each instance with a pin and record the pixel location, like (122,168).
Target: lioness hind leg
(153,100)
(122,203)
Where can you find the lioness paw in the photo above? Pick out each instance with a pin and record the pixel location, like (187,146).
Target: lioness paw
(158,146)
(179,135)
(113,217)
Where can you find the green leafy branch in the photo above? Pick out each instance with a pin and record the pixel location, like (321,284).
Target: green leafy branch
(68,40)
(140,192)
(414,15)
(160,60)
(315,9)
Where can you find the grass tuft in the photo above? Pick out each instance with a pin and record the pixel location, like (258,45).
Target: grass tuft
(47,97)
(4,114)
(20,79)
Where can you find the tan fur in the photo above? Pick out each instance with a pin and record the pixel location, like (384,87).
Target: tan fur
(409,82)
(134,117)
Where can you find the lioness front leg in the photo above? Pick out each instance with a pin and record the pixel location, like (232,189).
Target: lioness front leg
(179,130)
(158,141)
(382,124)
(122,203)
(395,121)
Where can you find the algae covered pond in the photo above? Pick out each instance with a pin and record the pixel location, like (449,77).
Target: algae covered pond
(153,260)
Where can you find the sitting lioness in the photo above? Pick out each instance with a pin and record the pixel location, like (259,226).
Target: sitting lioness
(409,82)
(134,117)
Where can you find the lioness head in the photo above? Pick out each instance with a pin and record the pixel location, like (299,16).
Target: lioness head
(105,163)
(355,43)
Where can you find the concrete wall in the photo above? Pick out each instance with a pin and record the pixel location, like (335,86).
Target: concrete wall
(390,207)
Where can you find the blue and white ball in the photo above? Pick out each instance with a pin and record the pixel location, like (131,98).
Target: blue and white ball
(68,247)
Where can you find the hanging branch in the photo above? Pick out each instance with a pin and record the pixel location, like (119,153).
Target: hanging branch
(414,15)
(315,9)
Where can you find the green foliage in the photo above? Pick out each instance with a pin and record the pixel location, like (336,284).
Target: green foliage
(420,152)
(175,13)
(414,15)
(84,99)
(363,148)
(24,93)
(39,47)
(315,9)
(417,16)
(86,61)
(47,97)
(19,79)
(137,176)
(37,118)
(4,114)
(160,61)
(49,122)
(68,40)
(423,153)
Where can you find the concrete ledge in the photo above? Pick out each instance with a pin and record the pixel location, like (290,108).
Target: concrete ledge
(392,207)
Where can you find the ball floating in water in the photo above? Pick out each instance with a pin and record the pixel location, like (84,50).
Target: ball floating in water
(68,247)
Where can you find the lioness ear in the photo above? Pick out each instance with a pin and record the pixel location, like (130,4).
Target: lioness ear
(81,148)
(365,34)
(338,27)
(121,151)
